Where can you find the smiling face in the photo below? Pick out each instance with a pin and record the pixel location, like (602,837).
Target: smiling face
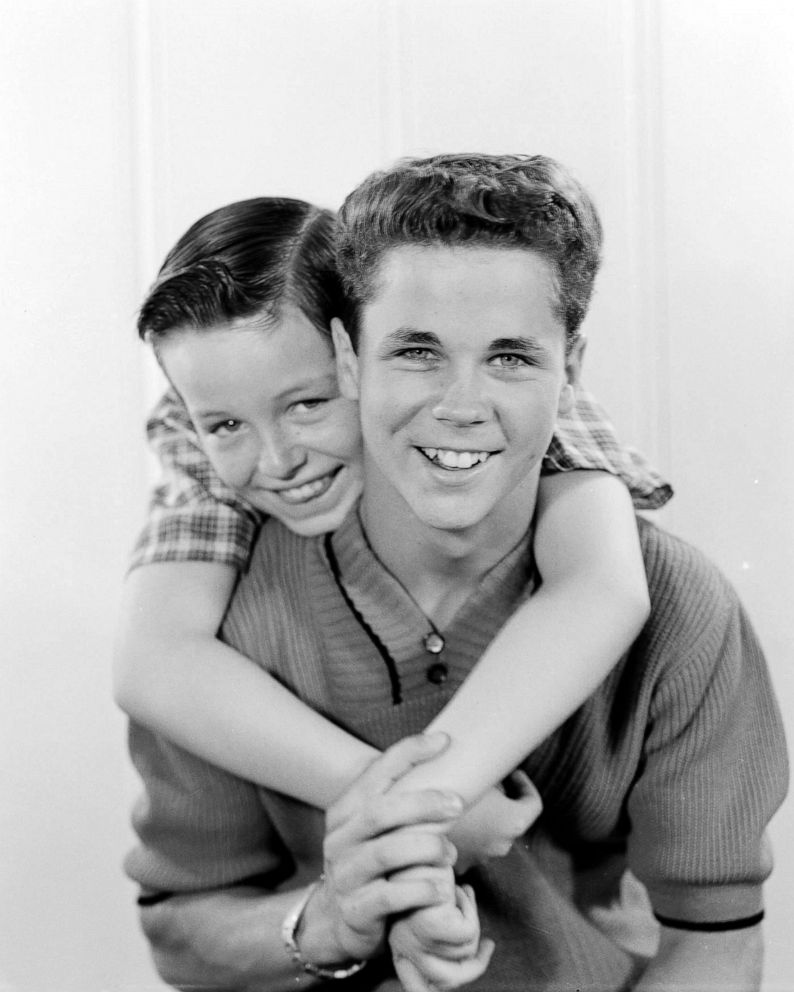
(265,403)
(460,373)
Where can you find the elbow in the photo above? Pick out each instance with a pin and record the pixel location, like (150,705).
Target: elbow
(192,950)
(163,944)
(171,954)
(626,603)
(127,683)
(124,695)
(170,967)
(635,613)
(638,606)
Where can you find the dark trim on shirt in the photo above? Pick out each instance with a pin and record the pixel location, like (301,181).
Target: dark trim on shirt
(391,667)
(262,880)
(153,898)
(713,927)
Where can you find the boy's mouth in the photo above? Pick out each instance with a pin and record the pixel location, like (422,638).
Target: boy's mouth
(309,490)
(455,461)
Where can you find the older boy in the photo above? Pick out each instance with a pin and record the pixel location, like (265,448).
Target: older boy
(470,276)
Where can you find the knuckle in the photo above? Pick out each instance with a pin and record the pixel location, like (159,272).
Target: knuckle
(371,821)
(381,898)
(383,857)
(354,912)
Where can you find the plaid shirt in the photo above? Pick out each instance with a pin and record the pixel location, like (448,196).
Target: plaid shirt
(194,516)
(584,438)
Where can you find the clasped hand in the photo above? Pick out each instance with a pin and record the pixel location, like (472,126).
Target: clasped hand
(389,878)
(440,947)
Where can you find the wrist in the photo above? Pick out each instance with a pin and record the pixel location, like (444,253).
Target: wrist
(315,931)
(310,937)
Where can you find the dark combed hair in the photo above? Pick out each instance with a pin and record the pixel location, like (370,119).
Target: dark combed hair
(502,201)
(248,258)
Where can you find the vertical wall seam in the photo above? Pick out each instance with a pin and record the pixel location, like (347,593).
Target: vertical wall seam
(142,141)
(143,188)
(652,14)
(647,224)
(633,195)
(391,109)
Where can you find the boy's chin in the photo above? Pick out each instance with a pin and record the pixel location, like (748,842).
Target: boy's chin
(321,523)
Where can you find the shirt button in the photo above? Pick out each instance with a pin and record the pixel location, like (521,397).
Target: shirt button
(437,674)
(434,643)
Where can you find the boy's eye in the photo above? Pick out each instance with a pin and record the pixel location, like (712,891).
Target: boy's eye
(225,427)
(308,406)
(416,354)
(509,361)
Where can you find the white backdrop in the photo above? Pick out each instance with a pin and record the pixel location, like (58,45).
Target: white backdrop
(123,121)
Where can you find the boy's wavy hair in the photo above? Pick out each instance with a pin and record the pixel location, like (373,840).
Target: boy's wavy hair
(249,258)
(500,201)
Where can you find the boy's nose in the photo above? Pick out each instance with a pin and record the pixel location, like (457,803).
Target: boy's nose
(279,458)
(462,402)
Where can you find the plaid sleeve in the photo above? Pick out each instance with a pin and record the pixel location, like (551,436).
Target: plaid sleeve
(193,515)
(585,439)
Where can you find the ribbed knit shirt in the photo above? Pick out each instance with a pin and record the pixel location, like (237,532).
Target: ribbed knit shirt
(670,770)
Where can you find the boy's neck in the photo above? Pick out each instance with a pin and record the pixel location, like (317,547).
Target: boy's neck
(441,568)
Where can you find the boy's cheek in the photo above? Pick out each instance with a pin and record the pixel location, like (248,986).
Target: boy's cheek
(232,471)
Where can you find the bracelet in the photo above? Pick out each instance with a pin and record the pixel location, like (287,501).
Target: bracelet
(289,929)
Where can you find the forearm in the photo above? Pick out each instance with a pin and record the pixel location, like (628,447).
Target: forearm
(228,940)
(231,939)
(536,672)
(691,961)
(174,676)
(240,718)
(558,646)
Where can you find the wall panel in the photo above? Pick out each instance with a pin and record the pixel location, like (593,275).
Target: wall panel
(728,95)
(70,492)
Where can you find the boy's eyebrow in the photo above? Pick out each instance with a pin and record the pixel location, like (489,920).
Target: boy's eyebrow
(210,414)
(529,346)
(411,337)
(320,384)
(408,335)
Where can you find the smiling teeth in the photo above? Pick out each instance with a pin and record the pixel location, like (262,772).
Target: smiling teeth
(300,494)
(455,459)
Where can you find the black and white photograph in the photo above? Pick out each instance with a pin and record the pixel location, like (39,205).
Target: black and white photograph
(397,516)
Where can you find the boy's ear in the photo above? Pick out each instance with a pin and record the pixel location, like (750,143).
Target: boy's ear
(573,372)
(346,360)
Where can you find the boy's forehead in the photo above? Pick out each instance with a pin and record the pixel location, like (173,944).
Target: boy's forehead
(503,284)
(420,263)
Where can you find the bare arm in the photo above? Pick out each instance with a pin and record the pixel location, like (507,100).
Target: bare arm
(546,660)
(173,675)
(231,938)
(692,961)
(556,648)
(223,939)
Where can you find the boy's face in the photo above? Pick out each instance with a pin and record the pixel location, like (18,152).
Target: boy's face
(460,374)
(267,409)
